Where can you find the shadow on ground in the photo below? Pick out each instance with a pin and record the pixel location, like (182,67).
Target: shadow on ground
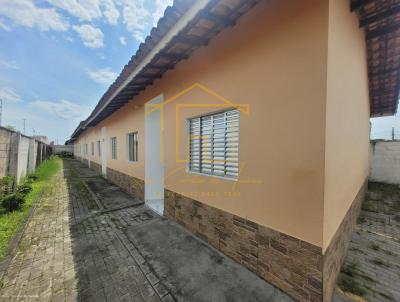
(125,252)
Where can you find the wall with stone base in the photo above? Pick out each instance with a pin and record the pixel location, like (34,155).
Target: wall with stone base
(95,166)
(337,250)
(130,184)
(291,264)
(295,266)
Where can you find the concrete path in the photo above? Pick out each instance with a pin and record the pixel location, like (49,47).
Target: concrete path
(89,241)
(371,271)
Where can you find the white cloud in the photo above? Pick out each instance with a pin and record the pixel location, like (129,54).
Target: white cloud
(9,64)
(4,26)
(25,13)
(89,10)
(102,76)
(111,12)
(62,109)
(9,95)
(84,10)
(161,5)
(122,40)
(90,35)
(136,19)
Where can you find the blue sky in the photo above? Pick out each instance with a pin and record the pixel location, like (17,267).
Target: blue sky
(58,57)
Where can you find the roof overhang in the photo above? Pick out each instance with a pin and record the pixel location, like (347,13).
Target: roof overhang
(185,27)
(381,22)
(191,24)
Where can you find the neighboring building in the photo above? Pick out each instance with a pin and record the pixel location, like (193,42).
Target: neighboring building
(248,123)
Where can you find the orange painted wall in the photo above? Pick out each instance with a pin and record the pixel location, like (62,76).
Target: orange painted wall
(274,59)
(300,131)
(347,116)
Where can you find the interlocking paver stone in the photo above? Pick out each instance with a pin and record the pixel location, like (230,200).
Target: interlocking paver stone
(371,270)
(70,253)
(77,247)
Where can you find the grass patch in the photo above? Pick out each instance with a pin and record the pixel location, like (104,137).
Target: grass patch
(350,285)
(375,246)
(352,280)
(11,222)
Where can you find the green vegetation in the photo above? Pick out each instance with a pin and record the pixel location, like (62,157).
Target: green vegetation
(12,202)
(352,280)
(6,186)
(29,190)
(375,246)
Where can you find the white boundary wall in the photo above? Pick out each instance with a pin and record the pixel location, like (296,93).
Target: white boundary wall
(384,159)
(20,154)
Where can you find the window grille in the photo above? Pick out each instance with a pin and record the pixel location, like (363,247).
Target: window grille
(132,142)
(214,144)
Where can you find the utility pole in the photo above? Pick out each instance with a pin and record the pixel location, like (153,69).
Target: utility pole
(1,110)
(392,133)
(24,125)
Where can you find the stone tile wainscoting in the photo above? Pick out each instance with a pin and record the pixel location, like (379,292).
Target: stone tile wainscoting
(295,266)
(130,184)
(337,250)
(291,264)
(83,160)
(95,166)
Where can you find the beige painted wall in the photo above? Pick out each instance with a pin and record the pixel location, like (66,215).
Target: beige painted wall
(128,119)
(275,61)
(347,116)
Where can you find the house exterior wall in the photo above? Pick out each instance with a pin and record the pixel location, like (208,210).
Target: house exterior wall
(347,136)
(347,116)
(293,45)
(308,122)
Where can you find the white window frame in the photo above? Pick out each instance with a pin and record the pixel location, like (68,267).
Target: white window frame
(92,146)
(114,146)
(229,142)
(135,147)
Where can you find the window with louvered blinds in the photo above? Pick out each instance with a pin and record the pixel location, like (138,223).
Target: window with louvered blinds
(214,144)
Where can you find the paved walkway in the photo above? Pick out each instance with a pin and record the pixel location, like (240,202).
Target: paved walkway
(81,246)
(372,268)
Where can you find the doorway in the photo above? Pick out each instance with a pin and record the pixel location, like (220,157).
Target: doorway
(154,165)
(103,151)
